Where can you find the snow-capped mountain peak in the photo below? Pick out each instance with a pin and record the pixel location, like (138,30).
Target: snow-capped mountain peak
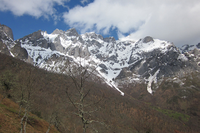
(146,57)
(116,61)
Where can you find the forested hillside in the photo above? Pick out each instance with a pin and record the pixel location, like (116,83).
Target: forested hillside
(55,98)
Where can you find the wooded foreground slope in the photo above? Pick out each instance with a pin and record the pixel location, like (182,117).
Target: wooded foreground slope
(112,114)
(10,120)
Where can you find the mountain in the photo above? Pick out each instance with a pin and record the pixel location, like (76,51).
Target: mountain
(121,114)
(159,81)
(9,46)
(117,62)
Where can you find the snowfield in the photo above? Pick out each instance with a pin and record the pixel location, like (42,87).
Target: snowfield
(107,55)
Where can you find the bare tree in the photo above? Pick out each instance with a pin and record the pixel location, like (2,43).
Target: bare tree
(25,98)
(53,120)
(21,98)
(83,105)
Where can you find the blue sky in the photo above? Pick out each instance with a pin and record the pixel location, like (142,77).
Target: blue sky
(25,24)
(175,21)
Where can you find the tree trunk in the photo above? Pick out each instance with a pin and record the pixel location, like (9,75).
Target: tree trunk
(20,110)
(84,129)
(48,128)
(25,123)
(22,125)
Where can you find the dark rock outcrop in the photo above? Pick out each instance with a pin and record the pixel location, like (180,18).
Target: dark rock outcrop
(198,45)
(19,52)
(4,48)
(103,66)
(72,32)
(147,39)
(7,30)
(109,39)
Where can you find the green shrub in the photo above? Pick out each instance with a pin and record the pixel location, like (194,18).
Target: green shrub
(173,114)
(38,113)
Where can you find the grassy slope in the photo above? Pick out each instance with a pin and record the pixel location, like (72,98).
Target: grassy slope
(10,120)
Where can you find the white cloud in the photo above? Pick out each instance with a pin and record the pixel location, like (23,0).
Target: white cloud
(120,35)
(173,20)
(36,8)
(84,1)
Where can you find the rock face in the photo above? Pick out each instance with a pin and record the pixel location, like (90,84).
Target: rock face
(4,48)
(6,31)
(72,32)
(198,45)
(148,39)
(6,39)
(9,46)
(19,52)
(37,39)
(192,52)
(147,60)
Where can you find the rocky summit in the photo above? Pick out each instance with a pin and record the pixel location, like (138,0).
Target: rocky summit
(117,62)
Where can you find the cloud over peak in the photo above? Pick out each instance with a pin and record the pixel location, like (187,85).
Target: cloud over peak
(177,21)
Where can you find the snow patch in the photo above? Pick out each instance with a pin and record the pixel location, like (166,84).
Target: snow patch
(50,37)
(12,54)
(157,44)
(182,57)
(152,79)
(37,53)
(65,43)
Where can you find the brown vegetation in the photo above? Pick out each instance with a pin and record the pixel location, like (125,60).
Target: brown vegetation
(10,122)
(136,112)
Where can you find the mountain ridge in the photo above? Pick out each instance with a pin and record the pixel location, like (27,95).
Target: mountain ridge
(146,60)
